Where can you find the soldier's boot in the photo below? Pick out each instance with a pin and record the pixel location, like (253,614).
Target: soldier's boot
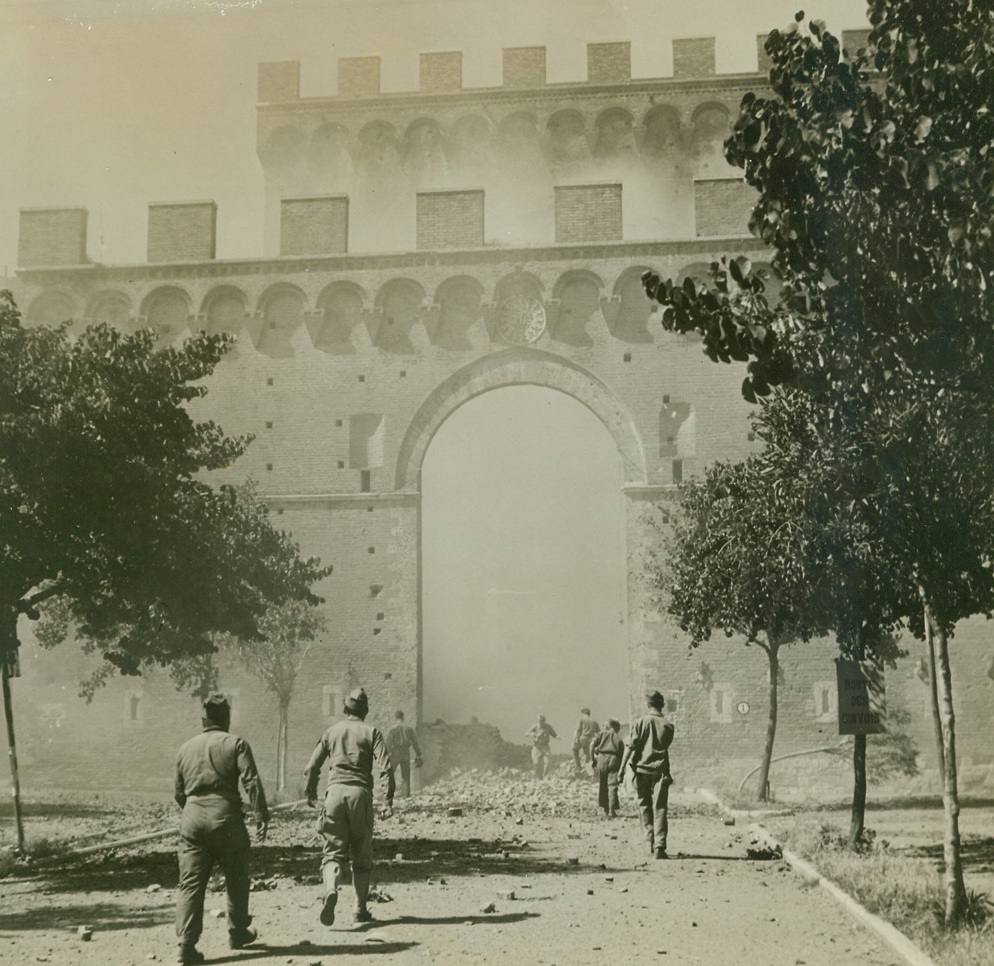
(189,956)
(360,880)
(331,875)
(242,937)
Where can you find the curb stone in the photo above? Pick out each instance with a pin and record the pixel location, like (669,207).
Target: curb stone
(890,934)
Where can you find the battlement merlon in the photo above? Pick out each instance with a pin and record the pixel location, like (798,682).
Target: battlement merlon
(524,68)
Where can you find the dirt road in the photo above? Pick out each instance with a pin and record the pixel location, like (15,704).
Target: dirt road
(563,889)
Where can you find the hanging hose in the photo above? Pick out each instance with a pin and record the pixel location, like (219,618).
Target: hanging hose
(139,839)
(794,754)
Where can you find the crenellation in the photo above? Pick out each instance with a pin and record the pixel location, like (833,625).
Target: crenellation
(425,248)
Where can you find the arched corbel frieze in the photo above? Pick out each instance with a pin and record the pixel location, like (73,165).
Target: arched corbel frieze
(519,367)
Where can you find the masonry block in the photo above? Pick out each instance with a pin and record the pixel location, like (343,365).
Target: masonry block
(450,219)
(52,236)
(441,71)
(853,40)
(609,63)
(314,226)
(722,207)
(182,232)
(588,213)
(358,76)
(693,57)
(279,81)
(763,61)
(524,67)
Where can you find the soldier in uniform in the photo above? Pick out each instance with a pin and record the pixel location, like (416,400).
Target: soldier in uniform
(401,741)
(648,755)
(586,731)
(208,769)
(607,750)
(351,748)
(540,733)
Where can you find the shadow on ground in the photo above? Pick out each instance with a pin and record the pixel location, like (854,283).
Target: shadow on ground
(419,859)
(262,951)
(977,855)
(110,916)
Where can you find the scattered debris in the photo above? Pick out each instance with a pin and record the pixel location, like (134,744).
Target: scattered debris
(489,907)
(154,887)
(218,913)
(85,933)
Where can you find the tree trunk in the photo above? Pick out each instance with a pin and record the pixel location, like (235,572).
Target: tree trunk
(772,652)
(282,746)
(858,819)
(953,877)
(8,650)
(934,694)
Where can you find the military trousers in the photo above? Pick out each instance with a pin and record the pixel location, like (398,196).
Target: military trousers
(208,839)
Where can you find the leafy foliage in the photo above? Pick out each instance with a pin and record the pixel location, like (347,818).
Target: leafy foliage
(104,505)
(875,180)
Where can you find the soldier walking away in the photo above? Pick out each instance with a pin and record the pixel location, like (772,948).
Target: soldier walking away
(401,741)
(647,754)
(351,748)
(540,733)
(212,829)
(586,731)
(608,749)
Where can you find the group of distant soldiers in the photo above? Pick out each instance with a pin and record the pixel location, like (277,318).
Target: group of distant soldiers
(211,765)
(646,754)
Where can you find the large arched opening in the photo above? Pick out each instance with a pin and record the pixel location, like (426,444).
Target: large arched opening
(524,575)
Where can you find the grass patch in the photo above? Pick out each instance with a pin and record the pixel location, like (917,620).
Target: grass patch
(907,892)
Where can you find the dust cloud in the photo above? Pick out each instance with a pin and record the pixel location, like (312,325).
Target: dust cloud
(524,569)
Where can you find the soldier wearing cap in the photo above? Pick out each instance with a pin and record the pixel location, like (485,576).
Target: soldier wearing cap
(586,730)
(607,749)
(351,748)
(401,741)
(208,769)
(648,755)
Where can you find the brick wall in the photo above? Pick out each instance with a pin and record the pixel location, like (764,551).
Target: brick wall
(693,57)
(450,219)
(358,76)
(279,81)
(853,40)
(723,206)
(609,63)
(52,236)
(184,232)
(314,226)
(524,67)
(763,61)
(441,71)
(588,213)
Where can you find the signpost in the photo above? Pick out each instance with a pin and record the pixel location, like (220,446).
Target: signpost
(862,708)
(10,667)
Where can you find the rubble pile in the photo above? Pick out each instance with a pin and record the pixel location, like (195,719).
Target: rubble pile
(509,792)
(449,746)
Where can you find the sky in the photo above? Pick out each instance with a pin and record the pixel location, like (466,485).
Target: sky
(111,105)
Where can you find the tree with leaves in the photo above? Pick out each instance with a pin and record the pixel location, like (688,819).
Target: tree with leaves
(105,508)
(874,171)
(286,633)
(742,562)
